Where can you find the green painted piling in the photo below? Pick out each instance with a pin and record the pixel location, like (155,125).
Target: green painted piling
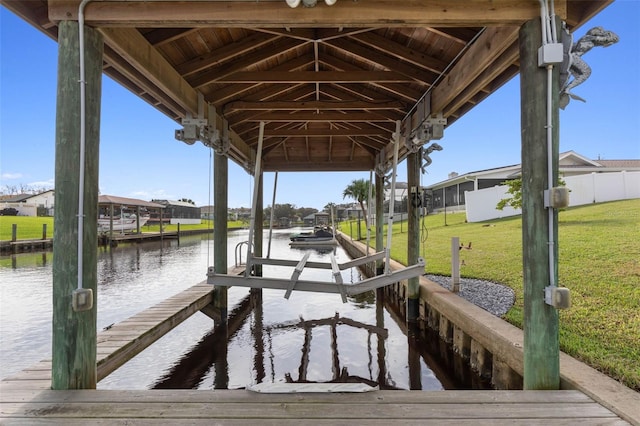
(541,347)
(220,229)
(413,238)
(74,333)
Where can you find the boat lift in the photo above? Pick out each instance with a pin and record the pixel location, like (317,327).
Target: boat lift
(249,280)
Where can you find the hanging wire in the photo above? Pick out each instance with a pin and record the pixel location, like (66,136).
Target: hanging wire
(209,224)
(424,231)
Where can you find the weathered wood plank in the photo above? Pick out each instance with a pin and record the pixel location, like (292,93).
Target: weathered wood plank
(293,410)
(324,422)
(452,397)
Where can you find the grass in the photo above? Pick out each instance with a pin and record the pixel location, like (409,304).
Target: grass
(599,261)
(30,228)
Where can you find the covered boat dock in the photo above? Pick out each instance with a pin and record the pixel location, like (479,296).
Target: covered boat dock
(334,86)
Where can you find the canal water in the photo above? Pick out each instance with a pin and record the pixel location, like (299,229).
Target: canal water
(309,337)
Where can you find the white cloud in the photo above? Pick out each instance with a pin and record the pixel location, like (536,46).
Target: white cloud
(11,176)
(43,184)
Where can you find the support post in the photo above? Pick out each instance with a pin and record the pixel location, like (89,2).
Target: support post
(259,223)
(541,347)
(220,194)
(413,237)
(74,333)
(379,200)
(455,264)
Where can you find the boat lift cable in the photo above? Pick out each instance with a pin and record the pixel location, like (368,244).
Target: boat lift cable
(368,215)
(273,208)
(209,229)
(256,189)
(424,231)
(396,142)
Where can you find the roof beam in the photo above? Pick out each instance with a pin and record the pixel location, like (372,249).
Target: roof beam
(132,46)
(251,14)
(488,47)
(400,51)
(332,116)
(224,53)
(219,73)
(312,105)
(138,52)
(283,165)
(366,131)
(373,56)
(313,77)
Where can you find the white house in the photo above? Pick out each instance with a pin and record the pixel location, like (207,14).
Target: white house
(450,194)
(31,204)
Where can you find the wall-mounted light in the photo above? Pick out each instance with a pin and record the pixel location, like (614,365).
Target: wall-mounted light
(308,3)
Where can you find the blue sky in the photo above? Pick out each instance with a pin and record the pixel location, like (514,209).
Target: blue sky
(607,126)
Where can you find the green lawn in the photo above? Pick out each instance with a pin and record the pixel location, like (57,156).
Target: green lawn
(31,227)
(599,261)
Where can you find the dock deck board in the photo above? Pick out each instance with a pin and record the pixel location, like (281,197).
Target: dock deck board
(245,407)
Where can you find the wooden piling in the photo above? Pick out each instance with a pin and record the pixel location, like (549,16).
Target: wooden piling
(541,347)
(74,333)
(413,238)
(259,224)
(220,195)
(379,200)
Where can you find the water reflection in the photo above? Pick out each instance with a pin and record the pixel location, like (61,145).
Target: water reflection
(210,354)
(310,337)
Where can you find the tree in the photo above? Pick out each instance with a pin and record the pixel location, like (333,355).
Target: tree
(329,207)
(515,191)
(359,191)
(187,200)
(306,211)
(515,198)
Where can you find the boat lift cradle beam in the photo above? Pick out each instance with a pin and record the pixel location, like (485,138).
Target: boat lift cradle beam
(320,265)
(317,286)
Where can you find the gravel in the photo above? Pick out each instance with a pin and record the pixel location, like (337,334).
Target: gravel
(490,296)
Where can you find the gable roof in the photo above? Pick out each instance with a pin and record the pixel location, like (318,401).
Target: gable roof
(123,201)
(567,161)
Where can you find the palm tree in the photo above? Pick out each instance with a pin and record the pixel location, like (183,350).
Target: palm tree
(359,191)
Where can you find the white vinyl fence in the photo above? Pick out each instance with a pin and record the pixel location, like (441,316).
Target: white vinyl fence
(585,189)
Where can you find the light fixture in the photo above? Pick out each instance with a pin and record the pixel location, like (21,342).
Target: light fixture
(308,3)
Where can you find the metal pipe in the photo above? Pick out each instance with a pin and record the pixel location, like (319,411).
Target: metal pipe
(82,143)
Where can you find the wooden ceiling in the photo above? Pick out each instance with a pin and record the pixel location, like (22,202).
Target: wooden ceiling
(329,82)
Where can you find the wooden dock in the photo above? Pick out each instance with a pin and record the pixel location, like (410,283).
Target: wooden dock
(26,398)
(238,407)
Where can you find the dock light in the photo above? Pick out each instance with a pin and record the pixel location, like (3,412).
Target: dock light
(308,3)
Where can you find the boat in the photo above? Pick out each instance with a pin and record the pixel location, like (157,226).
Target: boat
(321,235)
(126,222)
